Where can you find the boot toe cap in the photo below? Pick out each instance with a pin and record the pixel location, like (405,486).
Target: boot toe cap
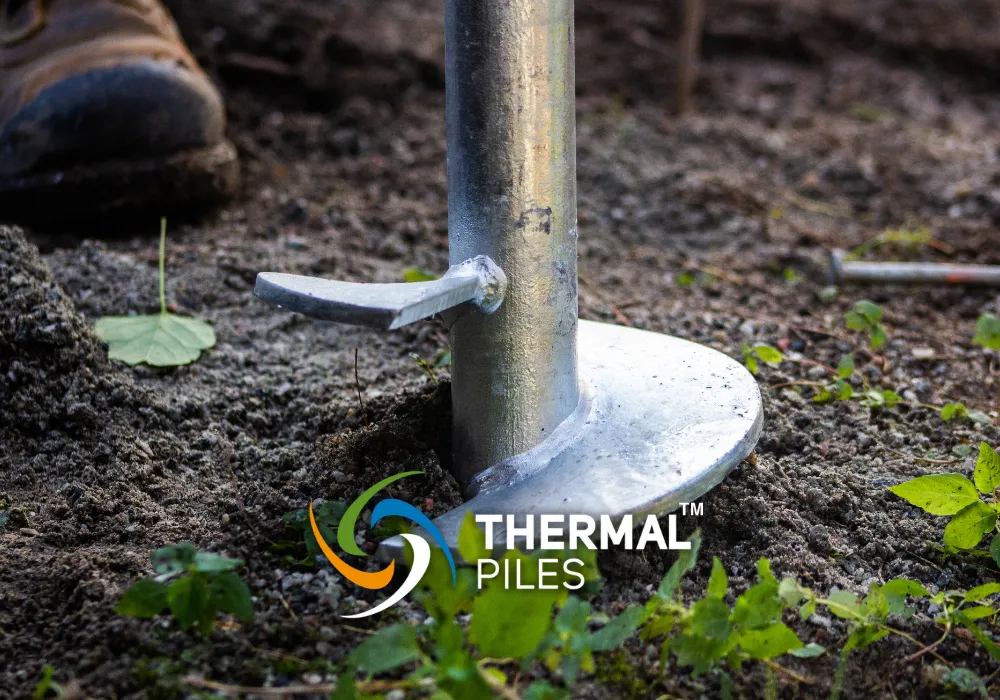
(140,110)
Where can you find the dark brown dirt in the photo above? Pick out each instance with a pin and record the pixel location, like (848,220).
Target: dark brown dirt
(820,124)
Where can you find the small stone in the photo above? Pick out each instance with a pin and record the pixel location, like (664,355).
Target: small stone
(910,395)
(816,372)
(793,397)
(29,532)
(819,538)
(820,620)
(396,694)
(923,353)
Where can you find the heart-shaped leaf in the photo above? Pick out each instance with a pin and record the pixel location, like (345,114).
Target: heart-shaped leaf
(159,340)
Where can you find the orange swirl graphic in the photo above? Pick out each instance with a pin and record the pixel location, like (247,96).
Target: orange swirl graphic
(370,580)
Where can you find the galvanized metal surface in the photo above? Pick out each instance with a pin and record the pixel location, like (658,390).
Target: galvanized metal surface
(477,283)
(662,421)
(512,196)
(843,270)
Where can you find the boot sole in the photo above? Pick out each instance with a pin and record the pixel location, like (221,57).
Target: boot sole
(185,181)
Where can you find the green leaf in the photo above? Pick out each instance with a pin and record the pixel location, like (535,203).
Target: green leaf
(573,616)
(981,637)
(389,648)
(415,274)
(231,594)
(878,336)
(844,604)
(978,612)
(965,682)
(765,353)
(439,597)
(460,678)
(472,540)
(618,631)
(686,559)
(982,592)
(962,450)
(953,410)
(772,641)
(790,592)
(995,549)
(345,686)
(189,601)
(967,528)
(208,562)
(159,340)
(904,586)
(144,599)
(988,332)
(708,639)
(876,604)
(856,321)
(718,582)
(863,636)
(809,651)
(938,494)
(871,311)
(174,558)
(896,590)
(46,685)
(510,623)
(846,366)
(541,690)
(987,474)
(980,418)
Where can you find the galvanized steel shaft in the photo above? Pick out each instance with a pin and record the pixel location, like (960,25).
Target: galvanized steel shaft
(512,196)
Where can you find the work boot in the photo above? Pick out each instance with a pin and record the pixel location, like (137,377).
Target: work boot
(102,107)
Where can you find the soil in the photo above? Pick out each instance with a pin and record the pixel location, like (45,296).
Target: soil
(819,124)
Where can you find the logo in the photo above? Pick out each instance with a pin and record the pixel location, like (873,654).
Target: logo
(376,580)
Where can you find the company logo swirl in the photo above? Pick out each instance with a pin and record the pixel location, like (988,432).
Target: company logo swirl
(375,580)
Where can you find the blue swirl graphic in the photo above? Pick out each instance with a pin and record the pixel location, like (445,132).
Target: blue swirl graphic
(393,506)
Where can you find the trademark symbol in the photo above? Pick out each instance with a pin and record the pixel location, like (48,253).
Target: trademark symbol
(692,508)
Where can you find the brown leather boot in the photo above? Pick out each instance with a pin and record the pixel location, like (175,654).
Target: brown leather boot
(102,107)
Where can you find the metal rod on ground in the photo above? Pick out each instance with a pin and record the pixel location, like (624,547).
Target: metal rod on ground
(512,197)
(689,54)
(843,270)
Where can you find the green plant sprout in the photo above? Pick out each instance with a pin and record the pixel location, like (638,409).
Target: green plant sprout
(763,353)
(954,495)
(328,515)
(987,332)
(425,366)
(415,274)
(47,687)
(867,316)
(201,585)
(479,644)
(158,340)
(518,628)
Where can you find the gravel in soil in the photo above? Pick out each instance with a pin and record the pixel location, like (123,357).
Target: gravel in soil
(819,125)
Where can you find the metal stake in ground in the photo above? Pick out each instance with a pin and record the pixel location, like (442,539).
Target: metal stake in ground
(552,416)
(512,197)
